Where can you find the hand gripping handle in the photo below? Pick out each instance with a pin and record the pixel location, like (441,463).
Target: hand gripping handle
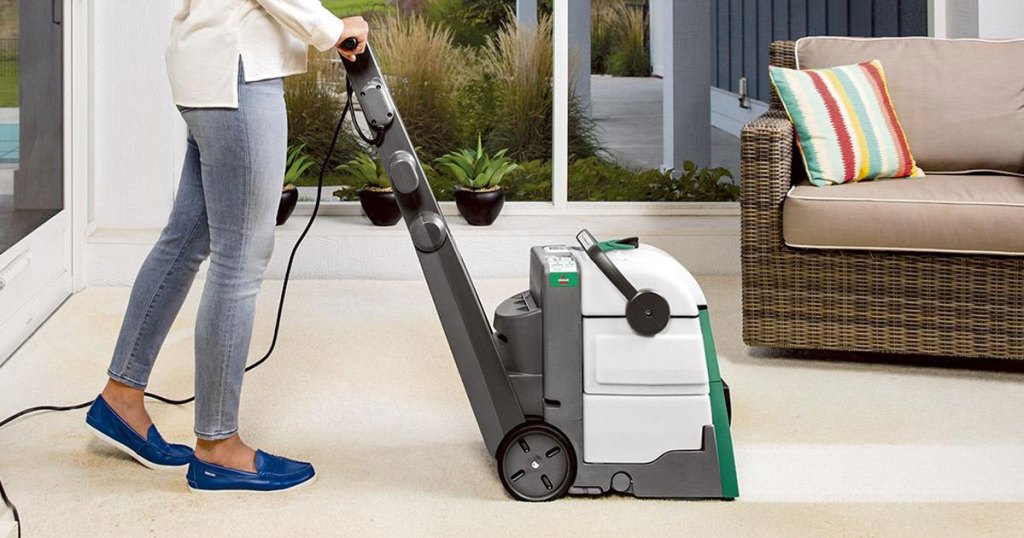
(349,44)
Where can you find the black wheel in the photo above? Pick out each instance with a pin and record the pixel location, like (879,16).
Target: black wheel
(536,462)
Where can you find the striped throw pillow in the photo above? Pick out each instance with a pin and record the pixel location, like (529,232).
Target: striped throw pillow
(846,126)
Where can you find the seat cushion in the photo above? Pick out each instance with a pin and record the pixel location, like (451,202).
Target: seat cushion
(961,102)
(971,214)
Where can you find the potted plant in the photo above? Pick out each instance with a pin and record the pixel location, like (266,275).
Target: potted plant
(479,194)
(296,164)
(376,196)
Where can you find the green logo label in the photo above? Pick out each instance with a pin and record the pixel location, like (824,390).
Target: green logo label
(564,280)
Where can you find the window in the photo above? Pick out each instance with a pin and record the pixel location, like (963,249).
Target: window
(621,85)
(463,73)
(572,92)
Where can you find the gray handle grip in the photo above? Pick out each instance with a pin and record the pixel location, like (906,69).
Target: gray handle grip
(605,264)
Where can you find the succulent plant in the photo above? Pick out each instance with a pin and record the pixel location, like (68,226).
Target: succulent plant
(296,164)
(475,169)
(366,170)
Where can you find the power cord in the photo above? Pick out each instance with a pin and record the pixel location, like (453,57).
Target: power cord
(347,109)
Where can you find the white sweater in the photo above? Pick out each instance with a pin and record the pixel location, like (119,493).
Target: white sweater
(271,36)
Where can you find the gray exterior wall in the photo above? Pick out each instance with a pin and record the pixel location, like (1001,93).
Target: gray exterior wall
(741,31)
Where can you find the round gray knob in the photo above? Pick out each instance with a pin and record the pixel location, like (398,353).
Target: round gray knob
(403,172)
(428,231)
(621,482)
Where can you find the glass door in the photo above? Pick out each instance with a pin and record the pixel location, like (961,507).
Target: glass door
(34,226)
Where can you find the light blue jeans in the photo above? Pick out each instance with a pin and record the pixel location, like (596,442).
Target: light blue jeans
(225,209)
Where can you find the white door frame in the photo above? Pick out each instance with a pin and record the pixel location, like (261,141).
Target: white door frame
(59,243)
(78,100)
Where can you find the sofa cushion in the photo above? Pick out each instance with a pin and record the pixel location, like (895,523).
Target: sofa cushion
(937,213)
(961,101)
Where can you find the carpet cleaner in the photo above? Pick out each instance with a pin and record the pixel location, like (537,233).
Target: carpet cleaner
(601,377)
(586,384)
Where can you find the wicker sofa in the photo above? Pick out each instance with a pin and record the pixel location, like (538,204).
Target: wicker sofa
(864,299)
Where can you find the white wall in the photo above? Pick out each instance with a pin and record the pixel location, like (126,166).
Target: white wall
(136,130)
(986,19)
(351,248)
(1000,19)
(954,18)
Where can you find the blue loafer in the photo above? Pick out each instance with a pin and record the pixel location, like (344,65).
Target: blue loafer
(151,451)
(273,474)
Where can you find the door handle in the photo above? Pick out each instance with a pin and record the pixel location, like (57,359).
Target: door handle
(9,273)
(54,11)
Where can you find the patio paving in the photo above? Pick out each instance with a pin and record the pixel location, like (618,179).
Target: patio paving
(628,112)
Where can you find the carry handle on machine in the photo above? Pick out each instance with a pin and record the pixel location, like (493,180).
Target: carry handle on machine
(647,312)
(604,263)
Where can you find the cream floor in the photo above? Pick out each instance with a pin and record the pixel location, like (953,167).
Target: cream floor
(362,385)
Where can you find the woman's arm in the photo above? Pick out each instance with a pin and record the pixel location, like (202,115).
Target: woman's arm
(314,24)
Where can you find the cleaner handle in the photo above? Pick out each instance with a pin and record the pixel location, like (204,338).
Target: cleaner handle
(471,338)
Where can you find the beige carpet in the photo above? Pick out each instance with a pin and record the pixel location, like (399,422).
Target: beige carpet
(362,385)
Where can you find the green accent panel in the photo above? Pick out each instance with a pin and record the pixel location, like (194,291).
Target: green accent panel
(719,413)
(613,244)
(564,280)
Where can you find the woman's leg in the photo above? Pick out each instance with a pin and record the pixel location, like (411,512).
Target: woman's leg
(242,169)
(159,290)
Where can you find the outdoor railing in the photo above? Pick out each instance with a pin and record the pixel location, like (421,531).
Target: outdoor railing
(9,57)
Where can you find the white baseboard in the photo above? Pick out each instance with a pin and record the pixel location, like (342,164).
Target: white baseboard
(8,528)
(341,247)
(728,115)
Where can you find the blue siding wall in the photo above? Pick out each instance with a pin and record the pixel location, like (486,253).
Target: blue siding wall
(741,31)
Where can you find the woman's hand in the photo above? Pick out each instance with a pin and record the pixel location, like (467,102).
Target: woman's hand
(354,27)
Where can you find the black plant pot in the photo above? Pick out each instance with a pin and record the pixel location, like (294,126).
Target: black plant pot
(479,208)
(289,197)
(380,207)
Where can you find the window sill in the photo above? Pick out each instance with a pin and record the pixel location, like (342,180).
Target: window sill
(727,209)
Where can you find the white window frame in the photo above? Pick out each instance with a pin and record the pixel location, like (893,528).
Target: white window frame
(559,203)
